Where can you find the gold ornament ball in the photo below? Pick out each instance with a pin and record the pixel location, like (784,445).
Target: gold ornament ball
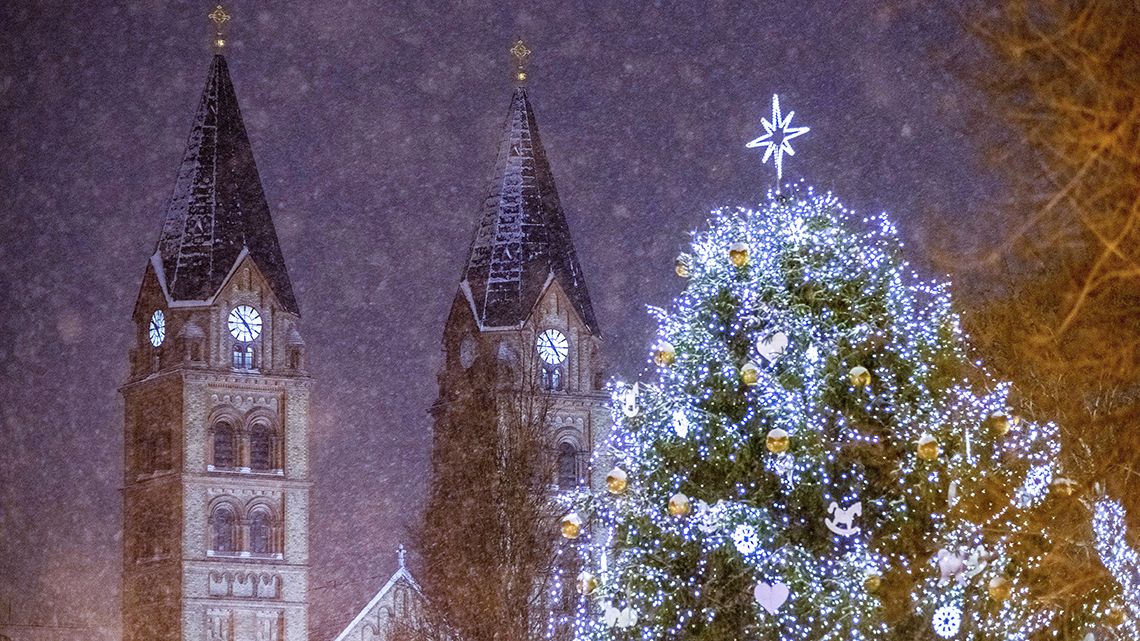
(872,582)
(587,583)
(571,525)
(1000,423)
(776,441)
(683,266)
(679,505)
(1062,486)
(859,377)
(999,588)
(738,254)
(750,374)
(617,481)
(927,448)
(664,354)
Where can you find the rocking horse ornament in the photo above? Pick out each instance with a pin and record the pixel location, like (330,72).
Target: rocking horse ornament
(842,521)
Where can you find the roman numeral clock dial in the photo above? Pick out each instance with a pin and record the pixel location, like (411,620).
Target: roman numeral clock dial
(552,347)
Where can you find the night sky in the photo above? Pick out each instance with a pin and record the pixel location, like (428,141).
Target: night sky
(374,129)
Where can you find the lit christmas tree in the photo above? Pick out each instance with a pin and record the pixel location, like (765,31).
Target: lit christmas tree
(820,457)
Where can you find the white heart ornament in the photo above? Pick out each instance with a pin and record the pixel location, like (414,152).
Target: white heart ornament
(610,615)
(772,348)
(627,618)
(771,597)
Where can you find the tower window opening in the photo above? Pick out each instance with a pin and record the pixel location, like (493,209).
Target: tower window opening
(261,532)
(567,466)
(222,524)
(261,448)
(223,445)
(552,378)
(243,356)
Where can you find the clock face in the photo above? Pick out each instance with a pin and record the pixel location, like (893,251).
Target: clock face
(157,328)
(552,347)
(245,323)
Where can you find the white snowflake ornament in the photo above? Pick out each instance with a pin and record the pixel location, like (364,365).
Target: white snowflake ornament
(947,621)
(745,539)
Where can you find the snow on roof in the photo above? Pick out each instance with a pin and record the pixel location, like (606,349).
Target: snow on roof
(522,238)
(401,575)
(218,208)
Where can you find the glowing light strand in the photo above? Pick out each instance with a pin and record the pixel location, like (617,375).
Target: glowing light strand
(806,248)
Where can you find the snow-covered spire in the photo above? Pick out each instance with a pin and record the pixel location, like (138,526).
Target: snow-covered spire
(522,241)
(218,206)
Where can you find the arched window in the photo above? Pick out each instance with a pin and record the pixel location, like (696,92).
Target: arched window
(223,444)
(243,356)
(261,448)
(261,532)
(222,523)
(567,466)
(551,378)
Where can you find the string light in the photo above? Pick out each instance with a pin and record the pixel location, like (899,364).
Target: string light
(833,288)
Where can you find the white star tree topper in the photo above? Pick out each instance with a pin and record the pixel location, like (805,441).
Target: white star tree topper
(780,144)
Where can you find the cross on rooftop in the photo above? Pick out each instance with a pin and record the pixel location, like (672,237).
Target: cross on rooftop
(521,53)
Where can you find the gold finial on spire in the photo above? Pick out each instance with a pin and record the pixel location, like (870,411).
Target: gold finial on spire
(521,53)
(219,17)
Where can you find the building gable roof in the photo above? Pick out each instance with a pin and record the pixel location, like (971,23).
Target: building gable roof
(218,209)
(522,238)
(401,575)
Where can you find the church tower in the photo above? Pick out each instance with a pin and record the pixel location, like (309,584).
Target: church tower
(521,391)
(216,444)
(522,296)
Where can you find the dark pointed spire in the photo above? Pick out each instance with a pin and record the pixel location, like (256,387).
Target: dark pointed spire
(218,207)
(522,241)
